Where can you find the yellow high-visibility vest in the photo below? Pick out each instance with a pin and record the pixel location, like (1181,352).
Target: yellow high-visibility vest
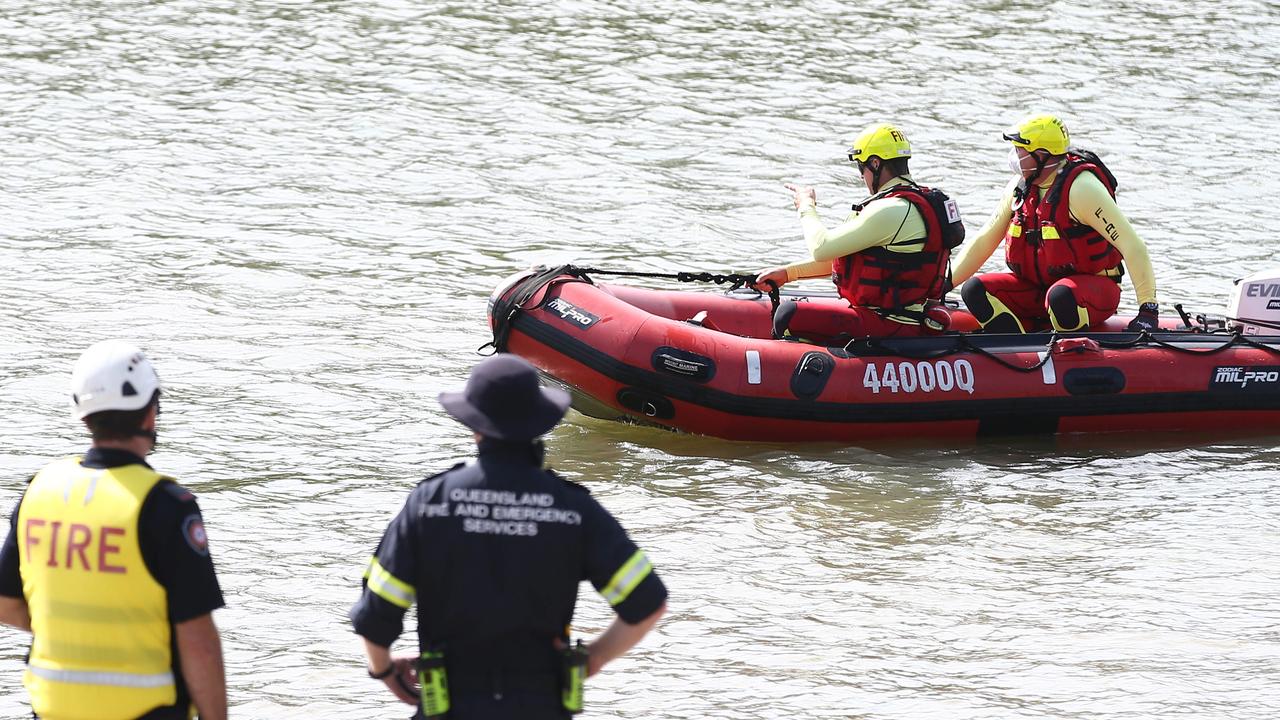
(99,620)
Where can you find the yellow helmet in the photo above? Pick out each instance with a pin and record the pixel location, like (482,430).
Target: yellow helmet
(884,141)
(1040,132)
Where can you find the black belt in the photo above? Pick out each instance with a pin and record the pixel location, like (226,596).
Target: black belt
(500,681)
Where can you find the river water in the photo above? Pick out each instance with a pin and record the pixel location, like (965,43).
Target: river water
(299,208)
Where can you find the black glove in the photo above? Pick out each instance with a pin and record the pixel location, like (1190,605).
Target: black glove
(1148,318)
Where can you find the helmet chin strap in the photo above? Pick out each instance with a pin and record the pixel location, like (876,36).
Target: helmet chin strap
(1035,174)
(1042,161)
(876,173)
(877,176)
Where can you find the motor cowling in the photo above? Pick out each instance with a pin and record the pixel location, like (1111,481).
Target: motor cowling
(1255,305)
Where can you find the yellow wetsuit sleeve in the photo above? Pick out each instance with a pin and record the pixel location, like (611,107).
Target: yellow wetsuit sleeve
(806,269)
(1092,205)
(976,251)
(893,223)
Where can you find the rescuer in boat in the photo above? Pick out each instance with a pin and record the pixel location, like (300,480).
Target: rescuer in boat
(108,566)
(493,552)
(1066,242)
(889,259)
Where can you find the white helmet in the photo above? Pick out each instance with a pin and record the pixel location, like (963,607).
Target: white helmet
(112,375)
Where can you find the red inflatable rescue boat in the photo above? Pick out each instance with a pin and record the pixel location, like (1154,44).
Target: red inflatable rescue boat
(704,362)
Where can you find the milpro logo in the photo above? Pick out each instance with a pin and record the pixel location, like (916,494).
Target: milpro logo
(572,313)
(1273,304)
(1254,379)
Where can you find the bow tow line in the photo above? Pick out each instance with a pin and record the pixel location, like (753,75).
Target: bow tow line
(505,311)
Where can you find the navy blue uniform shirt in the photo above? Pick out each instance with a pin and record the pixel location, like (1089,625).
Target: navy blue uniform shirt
(493,553)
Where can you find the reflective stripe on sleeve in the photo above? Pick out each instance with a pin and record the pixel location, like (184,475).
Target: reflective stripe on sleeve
(89,677)
(388,586)
(627,578)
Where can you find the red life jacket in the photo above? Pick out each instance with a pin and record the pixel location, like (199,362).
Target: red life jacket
(881,278)
(1044,243)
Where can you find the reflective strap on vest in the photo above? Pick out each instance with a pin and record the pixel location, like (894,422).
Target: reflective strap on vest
(1049,232)
(387,586)
(1015,230)
(627,578)
(89,677)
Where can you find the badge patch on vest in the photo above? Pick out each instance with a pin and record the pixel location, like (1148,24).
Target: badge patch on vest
(953,211)
(193,533)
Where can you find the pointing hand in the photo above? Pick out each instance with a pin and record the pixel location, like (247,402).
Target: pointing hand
(802,196)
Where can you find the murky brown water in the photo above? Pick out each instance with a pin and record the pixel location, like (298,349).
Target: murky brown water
(300,207)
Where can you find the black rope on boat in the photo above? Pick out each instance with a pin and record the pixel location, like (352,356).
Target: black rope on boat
(1144,337)
(874,343)
(505,312)
(962,344)
(734,280)
(1047,354)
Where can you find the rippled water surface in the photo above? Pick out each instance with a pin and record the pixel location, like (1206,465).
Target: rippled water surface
(299,208)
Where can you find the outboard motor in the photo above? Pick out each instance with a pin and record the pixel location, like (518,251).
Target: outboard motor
(1255,307)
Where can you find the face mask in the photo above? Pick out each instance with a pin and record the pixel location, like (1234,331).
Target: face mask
(1015,164)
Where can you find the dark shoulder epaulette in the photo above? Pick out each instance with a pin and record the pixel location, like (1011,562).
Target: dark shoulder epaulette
(429,478)
(176,491)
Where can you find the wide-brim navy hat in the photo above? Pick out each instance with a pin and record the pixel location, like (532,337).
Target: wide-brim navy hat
(503,400)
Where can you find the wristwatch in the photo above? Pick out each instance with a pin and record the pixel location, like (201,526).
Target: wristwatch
(381,675)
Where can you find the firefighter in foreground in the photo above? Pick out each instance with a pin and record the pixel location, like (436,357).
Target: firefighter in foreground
(492,553)
(108,566)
